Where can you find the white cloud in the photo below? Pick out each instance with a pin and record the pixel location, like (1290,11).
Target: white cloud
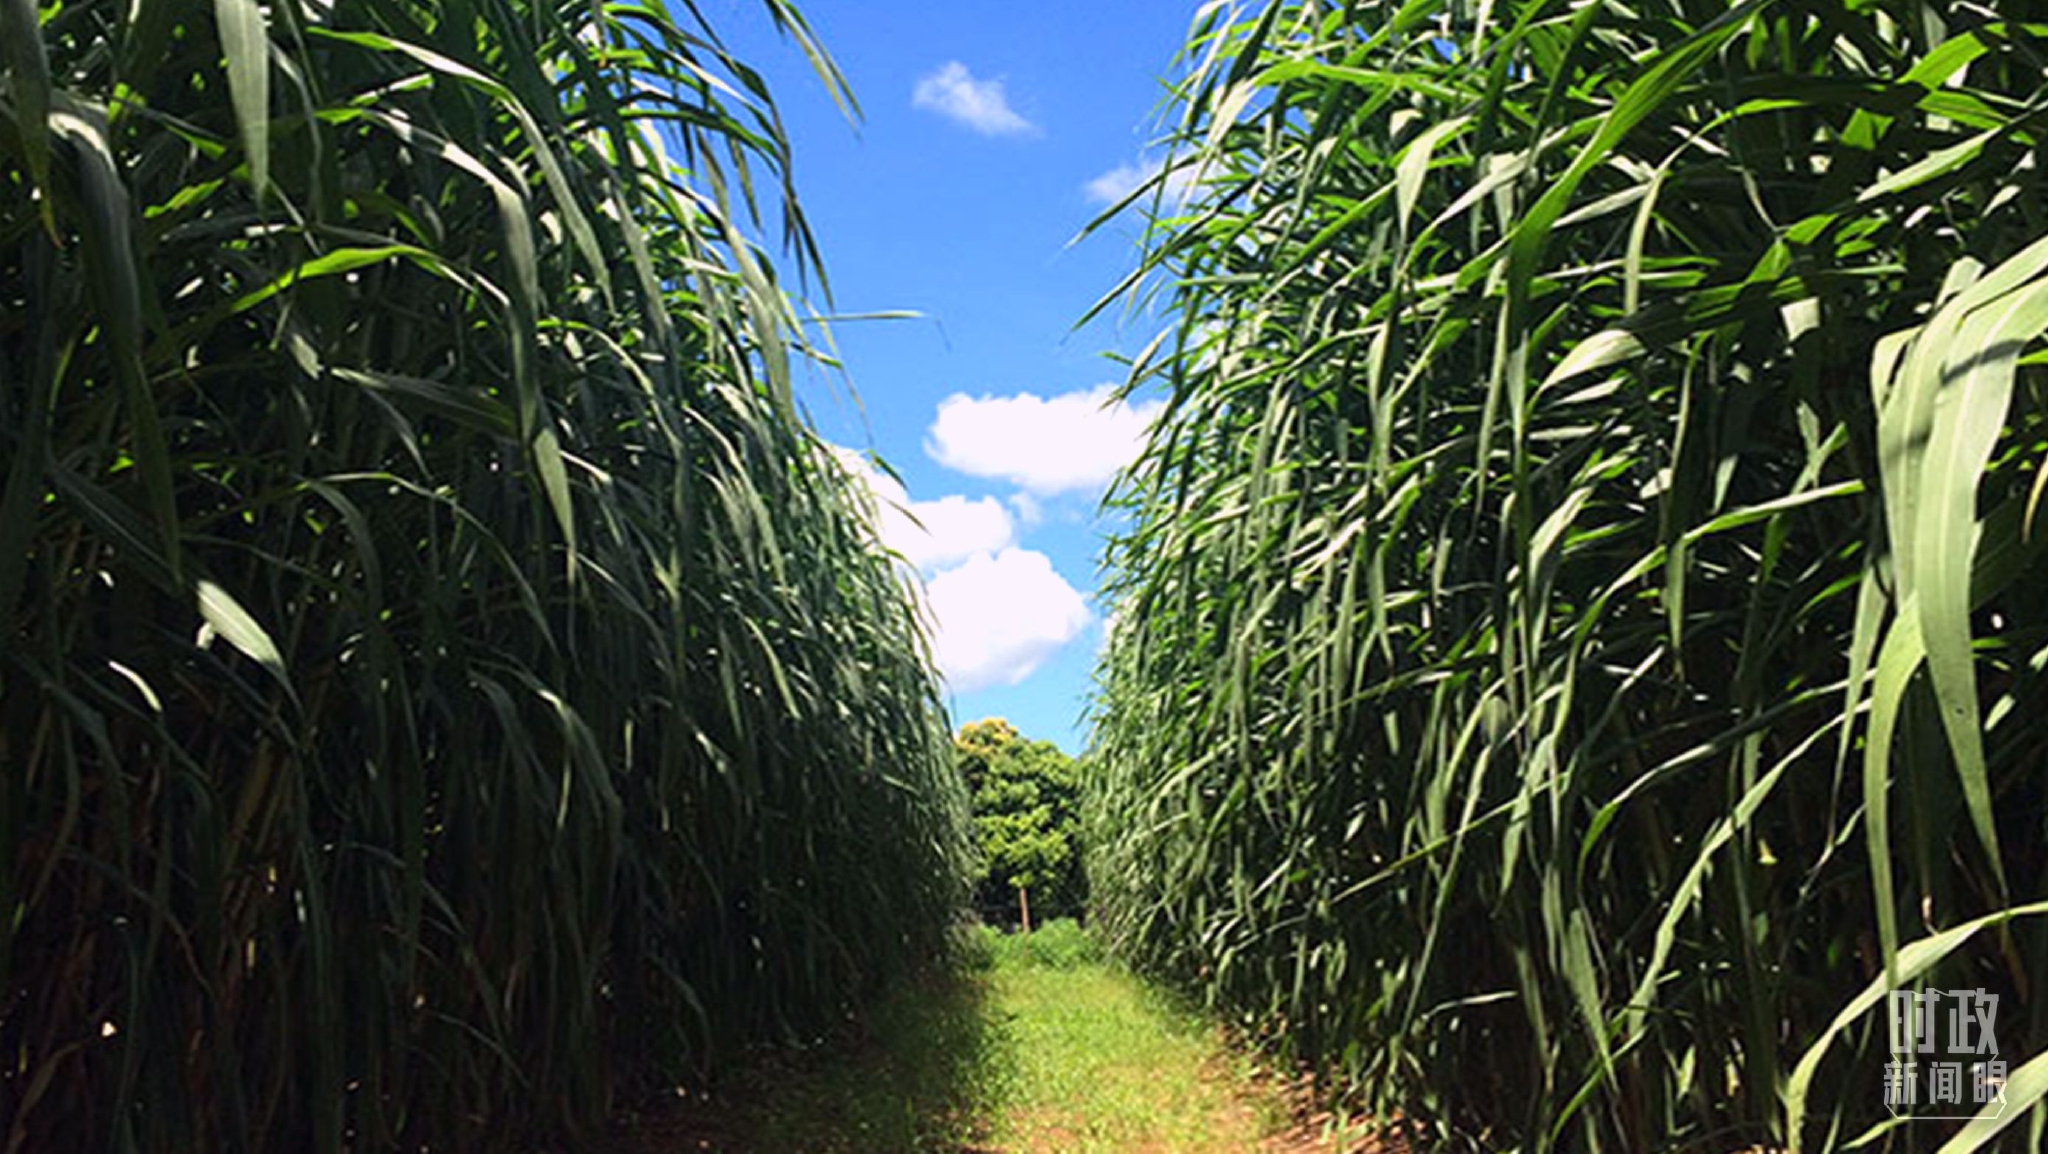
(930,534)
(1111,622)
(1125,179)
(998,612)
(981,105)
(1073,441)
(1028,508)
(1000,615)
(1119,182)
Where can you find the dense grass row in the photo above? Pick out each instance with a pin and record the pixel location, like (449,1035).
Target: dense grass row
(444,685)
(1582,620)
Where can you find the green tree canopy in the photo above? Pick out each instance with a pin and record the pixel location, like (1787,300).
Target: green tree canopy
(1026,801)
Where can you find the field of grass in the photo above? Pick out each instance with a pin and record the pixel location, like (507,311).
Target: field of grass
(446,685)
(1037,1044)
(1573,628)
(1571,656)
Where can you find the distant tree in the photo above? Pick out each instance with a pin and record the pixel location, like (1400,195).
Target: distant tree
(1026,800)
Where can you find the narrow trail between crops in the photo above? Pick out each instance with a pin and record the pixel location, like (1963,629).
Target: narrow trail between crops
(1034,1052)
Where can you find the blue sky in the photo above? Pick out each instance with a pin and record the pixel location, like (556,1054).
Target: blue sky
(991,134)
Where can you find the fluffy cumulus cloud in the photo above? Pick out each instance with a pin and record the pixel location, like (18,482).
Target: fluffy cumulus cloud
(931,534)
(998,611)
(982,105)
(1000,615)
(1125,179)
(1111,622)
(1074,441)
(1028,508)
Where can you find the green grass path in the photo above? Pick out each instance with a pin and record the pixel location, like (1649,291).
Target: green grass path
(1043,1048)
(1098,1064)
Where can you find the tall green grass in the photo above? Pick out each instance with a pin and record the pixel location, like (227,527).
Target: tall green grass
(445,686)
(1582,620)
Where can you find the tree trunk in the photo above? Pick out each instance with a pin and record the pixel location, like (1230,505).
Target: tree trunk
(1024,906)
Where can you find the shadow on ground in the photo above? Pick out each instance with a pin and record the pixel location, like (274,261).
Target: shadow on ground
(1033,1046)
(922,1076)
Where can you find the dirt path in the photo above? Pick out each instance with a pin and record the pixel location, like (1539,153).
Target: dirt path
(1022,1057)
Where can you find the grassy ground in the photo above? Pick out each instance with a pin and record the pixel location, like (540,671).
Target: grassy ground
(1100,1065)
(1038,1046)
